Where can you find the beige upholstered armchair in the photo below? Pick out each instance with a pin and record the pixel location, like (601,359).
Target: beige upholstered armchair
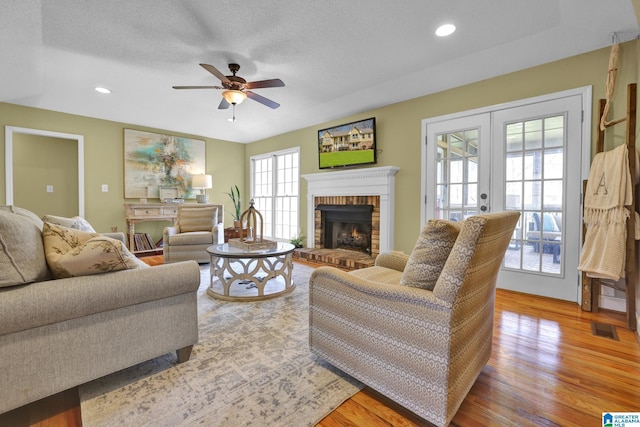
(196,228)
(417,328)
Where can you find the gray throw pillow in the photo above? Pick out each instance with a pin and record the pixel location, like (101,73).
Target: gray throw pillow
(430,253)
(76,222)
(22,258)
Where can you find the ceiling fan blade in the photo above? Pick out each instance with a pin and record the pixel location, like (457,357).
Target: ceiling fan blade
(213,70)
(261,99)
(265,83)
(197,87)
(223,104)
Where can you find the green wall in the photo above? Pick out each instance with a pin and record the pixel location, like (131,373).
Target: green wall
(103,155)
(399,125)
(38,162)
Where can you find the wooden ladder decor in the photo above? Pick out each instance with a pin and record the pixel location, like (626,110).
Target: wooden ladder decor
(591,286)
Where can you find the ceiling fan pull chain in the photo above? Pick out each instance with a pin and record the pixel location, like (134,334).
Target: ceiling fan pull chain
(233,119)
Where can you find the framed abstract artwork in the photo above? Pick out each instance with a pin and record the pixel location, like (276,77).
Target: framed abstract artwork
(153,161)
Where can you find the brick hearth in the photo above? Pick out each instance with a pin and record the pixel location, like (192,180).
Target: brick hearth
(341,258)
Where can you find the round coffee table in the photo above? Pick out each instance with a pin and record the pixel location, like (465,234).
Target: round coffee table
(241,275)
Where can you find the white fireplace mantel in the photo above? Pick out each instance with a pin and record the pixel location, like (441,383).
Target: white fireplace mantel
(377,181)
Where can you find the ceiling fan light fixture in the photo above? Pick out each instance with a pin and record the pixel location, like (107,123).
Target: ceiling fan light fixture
(234,97)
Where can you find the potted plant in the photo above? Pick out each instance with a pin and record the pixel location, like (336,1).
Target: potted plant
(234,195)
(297,241)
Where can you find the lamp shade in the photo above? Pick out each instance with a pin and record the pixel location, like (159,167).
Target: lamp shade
(234,96)
(202,181)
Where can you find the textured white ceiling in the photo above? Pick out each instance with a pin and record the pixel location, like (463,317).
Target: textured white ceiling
(336,57)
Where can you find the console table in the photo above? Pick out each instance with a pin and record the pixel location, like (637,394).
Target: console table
(141,212)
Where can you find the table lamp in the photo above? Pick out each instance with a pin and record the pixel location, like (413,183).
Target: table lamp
(202,182)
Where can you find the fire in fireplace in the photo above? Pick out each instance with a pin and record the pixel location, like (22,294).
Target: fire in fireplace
(346,227)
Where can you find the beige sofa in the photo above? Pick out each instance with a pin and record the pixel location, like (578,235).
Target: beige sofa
(421,348)
(58,333)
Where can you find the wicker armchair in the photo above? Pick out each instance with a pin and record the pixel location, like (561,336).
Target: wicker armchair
(423,349)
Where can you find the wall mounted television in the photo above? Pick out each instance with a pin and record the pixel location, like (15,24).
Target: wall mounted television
(350,144)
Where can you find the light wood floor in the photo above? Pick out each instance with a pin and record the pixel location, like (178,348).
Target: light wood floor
(547,369)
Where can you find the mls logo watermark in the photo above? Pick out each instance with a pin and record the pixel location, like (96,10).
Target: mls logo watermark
(621,419)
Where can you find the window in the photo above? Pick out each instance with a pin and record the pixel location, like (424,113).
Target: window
(457,174)
(534,174)
(275,190)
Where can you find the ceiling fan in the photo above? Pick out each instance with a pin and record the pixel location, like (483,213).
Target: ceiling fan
(236,88)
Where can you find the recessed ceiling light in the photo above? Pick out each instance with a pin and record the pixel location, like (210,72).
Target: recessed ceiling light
(102,89)
(445,30)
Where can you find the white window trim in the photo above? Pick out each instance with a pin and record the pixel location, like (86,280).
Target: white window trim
(293,150)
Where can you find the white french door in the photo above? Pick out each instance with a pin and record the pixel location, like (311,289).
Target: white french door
(458,167)
(525,157)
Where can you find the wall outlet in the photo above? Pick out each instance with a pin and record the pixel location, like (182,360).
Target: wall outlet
(49,188)
(105,188)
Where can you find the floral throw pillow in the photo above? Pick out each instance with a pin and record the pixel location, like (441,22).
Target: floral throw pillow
(72,252)
(430,254)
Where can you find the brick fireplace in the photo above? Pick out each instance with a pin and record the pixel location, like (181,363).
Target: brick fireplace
(347,222)
(367,189)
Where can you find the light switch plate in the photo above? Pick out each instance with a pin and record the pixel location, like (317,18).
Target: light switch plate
(105,188)
(49,188)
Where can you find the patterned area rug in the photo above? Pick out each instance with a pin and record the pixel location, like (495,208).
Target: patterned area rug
(252,367)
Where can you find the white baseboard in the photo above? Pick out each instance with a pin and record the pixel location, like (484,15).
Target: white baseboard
(613,303)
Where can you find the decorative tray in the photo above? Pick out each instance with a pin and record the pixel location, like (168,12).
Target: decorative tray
(253,246)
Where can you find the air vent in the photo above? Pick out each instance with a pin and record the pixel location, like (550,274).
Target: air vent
(604,330)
